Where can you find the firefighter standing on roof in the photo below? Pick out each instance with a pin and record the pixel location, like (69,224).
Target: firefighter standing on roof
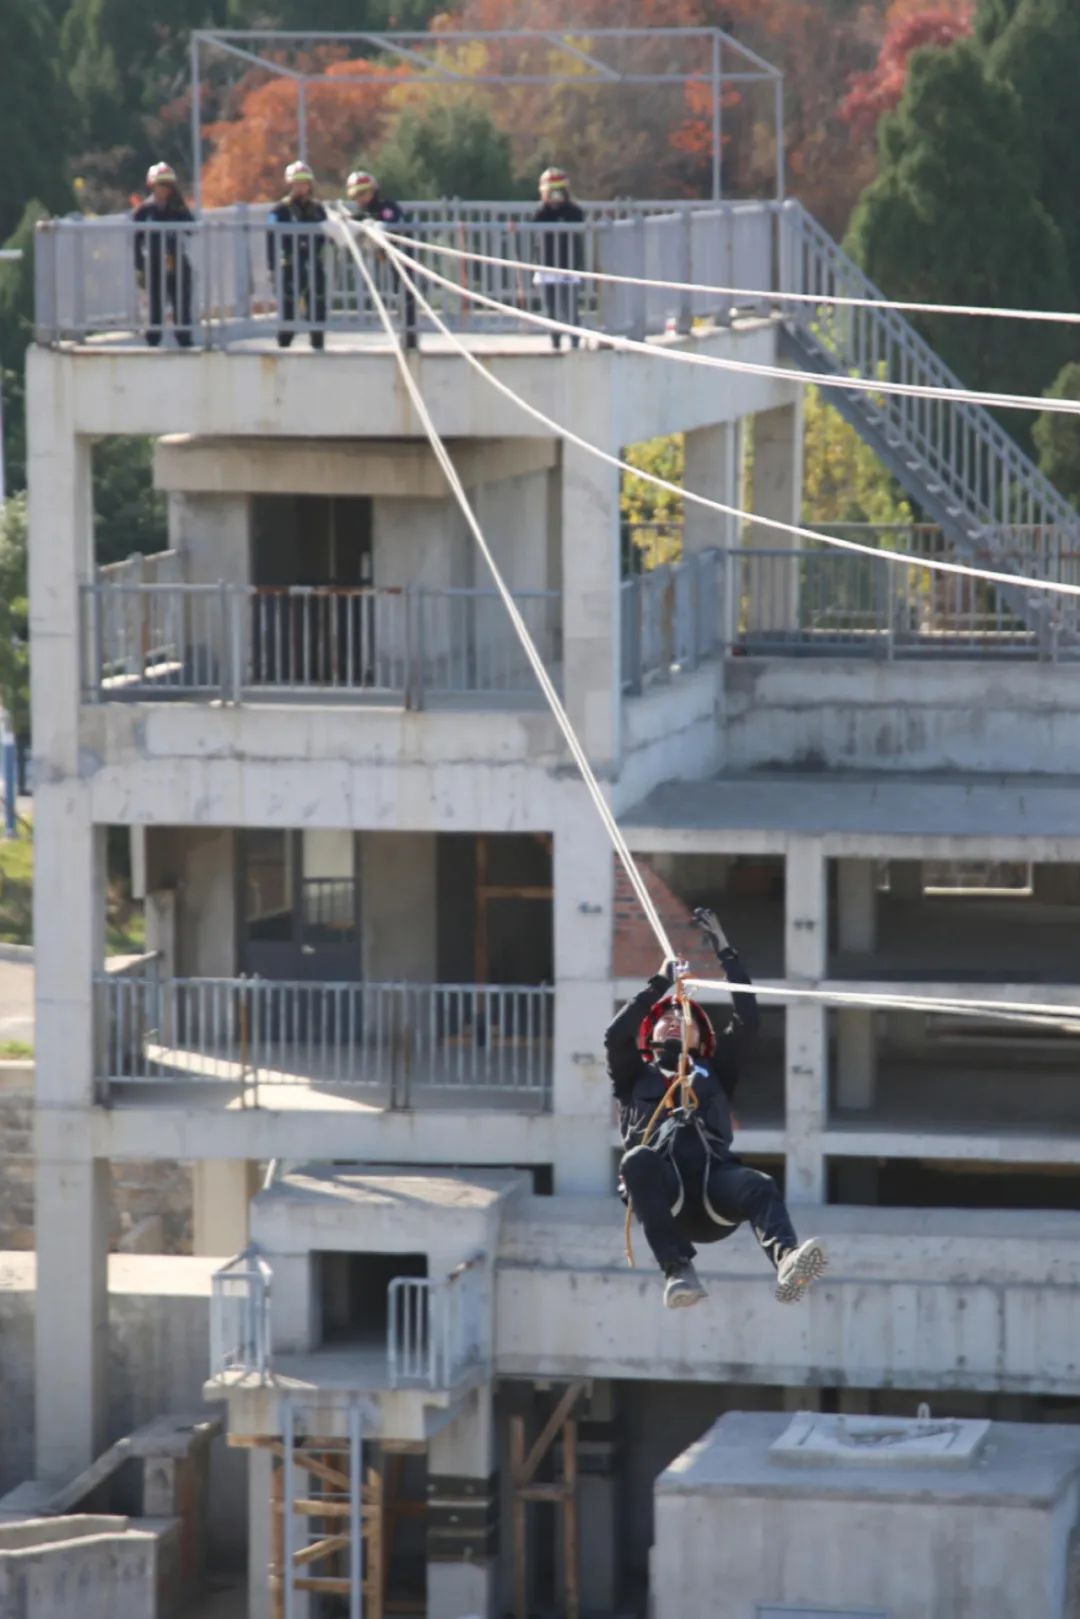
(294,253)
(161,262)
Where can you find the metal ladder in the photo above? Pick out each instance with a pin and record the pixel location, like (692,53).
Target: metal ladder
(991,501)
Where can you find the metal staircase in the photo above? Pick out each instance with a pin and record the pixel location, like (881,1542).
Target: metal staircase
(991,501)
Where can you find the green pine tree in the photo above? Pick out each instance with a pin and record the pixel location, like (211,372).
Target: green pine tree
(952,218)
(1037,53)
(33,111)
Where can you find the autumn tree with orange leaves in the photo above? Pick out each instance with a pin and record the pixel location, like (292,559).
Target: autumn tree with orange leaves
(348,113)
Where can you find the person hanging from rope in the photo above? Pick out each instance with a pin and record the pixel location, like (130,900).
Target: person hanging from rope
(301,280)
(368,202)
(678,1174)
(563,249)
(161,263)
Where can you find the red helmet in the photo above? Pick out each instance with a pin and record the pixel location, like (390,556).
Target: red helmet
(663,1008)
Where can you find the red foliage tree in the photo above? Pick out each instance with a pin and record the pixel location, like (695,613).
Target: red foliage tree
(877,92)
(347,114)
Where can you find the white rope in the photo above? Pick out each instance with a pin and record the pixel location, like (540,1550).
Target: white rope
(833,300)
(846,384)
(932,564)
(1044,1013)
(344,231)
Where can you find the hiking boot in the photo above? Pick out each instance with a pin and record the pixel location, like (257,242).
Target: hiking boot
(799,1268)
(682,1287)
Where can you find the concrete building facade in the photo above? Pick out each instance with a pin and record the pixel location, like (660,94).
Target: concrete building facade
(383,947)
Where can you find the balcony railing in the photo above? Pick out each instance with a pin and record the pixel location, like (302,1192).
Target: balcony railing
(435,1331)
(240,1316)
(232,276)
(235,643)
(407,1044)
(670,619)
(832,603)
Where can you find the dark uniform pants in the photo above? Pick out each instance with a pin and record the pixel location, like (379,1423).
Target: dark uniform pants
(691,1195)
(172,286)
(305,287)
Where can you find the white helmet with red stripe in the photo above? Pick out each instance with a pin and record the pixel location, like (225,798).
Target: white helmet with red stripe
(160,174)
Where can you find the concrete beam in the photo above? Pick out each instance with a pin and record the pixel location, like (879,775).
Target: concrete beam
(355,392)
(187,463)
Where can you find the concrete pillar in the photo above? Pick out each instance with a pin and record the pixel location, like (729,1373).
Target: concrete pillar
(583,867)
(213,535)
(260,1466)
(422,544)
(462,1519)
(856,1059)
(161,929)
(398,885)
(71,1335)
(222,1191)
(713,467)
(856,895)
(905,879)
(773,595)
(806,1047)
(591,602)
(71,1332)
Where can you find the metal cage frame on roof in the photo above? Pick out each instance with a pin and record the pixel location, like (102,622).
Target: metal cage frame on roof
(582,48)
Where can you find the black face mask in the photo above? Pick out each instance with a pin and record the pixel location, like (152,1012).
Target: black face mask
(667,1056)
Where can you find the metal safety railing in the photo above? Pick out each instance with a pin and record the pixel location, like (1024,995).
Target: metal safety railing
(778,603)
(240,1316)
(404,1041)
(434,1333)
(964,469)
(669,619)
(241,642)
(233,275)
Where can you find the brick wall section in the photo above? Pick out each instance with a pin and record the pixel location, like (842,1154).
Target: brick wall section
(151,1199)
(635,952)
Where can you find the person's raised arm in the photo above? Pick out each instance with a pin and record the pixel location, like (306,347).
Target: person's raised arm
(624,1060)
(746,1006)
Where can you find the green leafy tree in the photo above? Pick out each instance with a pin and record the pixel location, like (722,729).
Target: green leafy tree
(448,147)
(129,513)
(16,327)
(843,480)
(952,218)
(1037,53)
(33,111)
(1057,437)
(14,615)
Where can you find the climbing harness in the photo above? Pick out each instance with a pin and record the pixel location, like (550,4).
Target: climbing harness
(682,1083)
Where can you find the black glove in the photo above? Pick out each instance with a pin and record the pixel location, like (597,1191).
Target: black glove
(710,927)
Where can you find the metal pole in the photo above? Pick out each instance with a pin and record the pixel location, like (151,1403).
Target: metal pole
(356,1515)
(196,125)
(780,158)
(301,120)
(288,1435)
(717,117)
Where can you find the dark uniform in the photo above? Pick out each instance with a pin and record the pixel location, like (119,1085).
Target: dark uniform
(686,1185)
(301,281)
(163,266)
(382,210)
(561,250)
